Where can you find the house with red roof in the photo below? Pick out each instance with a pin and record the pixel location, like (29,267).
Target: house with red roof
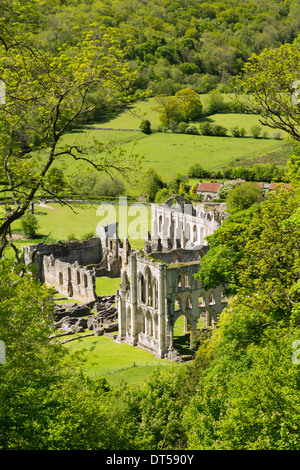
(208,190)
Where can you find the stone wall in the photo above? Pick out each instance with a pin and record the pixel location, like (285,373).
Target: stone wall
(157,294)
(71,280)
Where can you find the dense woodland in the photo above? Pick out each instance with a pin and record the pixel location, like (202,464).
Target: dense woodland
(176,44)
(242,390)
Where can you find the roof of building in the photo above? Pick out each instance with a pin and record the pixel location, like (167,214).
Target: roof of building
(209,187)
(275,185)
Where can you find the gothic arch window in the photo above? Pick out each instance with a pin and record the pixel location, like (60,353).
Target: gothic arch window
(186,280)
(141,288)
(177,304)
(69,274)
(148,285)
(60,278)
(194,233)
(155,292)
(160,223)
(128,320)
(179,281)
(140,320)
(78,277)
(85,280)
(155,326)
(188,303)
(211,299)
(201,302)
(149,326)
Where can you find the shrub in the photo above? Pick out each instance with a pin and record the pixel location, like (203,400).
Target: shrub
(236,132)
(29,225)
(208,128)
(145,126)
(256,131)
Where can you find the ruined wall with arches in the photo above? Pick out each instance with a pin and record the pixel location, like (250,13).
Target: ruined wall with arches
(179,224)
(156,295)
(70,280)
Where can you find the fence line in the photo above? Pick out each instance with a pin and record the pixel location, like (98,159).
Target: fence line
(112,371)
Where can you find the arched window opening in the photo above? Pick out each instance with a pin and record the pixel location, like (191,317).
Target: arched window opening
(188,303)
(194,233)
(177,304)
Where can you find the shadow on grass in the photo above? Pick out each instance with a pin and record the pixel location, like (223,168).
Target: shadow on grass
(182,345)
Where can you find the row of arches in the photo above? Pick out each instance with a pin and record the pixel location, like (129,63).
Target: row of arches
(189,230)
(147,323)
(148,289)
(188,303)
(69,278)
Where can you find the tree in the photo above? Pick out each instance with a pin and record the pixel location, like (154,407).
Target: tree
(185,106)
(255,131)
(243,196)
(224,190)
(29,224)
(266,88)
(196,171)
(45,95)
(189,105)
(236,132)
(145,126)
(215,102)
(152,182)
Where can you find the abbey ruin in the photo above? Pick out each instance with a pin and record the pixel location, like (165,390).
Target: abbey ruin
(157,283)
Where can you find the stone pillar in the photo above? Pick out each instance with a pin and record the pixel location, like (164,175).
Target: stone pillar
(121,293)
(193,334)
(133,294)
(161,311)
(208,318)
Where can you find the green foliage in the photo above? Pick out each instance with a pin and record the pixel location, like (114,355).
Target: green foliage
(185,106)
(243,196)
(196,171)
(208,128)
(145,126)
(29,225)
(236,132)
(256,131)
(152,183)
(251,403)
(267,81)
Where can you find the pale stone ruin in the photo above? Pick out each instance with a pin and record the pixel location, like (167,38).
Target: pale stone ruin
(157,283)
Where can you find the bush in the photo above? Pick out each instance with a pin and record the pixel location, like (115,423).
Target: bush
(211,129)
(256,131)
(236,132)
(145,126)
(29,225)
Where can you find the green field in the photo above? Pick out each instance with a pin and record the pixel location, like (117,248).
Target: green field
(169,153)
(114,361)
(64,222)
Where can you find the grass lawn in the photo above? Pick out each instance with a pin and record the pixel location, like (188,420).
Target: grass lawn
(114,361)
(169,153)
(106,285)
(60,222)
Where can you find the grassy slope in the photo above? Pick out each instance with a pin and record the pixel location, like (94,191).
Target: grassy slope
(104,356)
(170,153)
